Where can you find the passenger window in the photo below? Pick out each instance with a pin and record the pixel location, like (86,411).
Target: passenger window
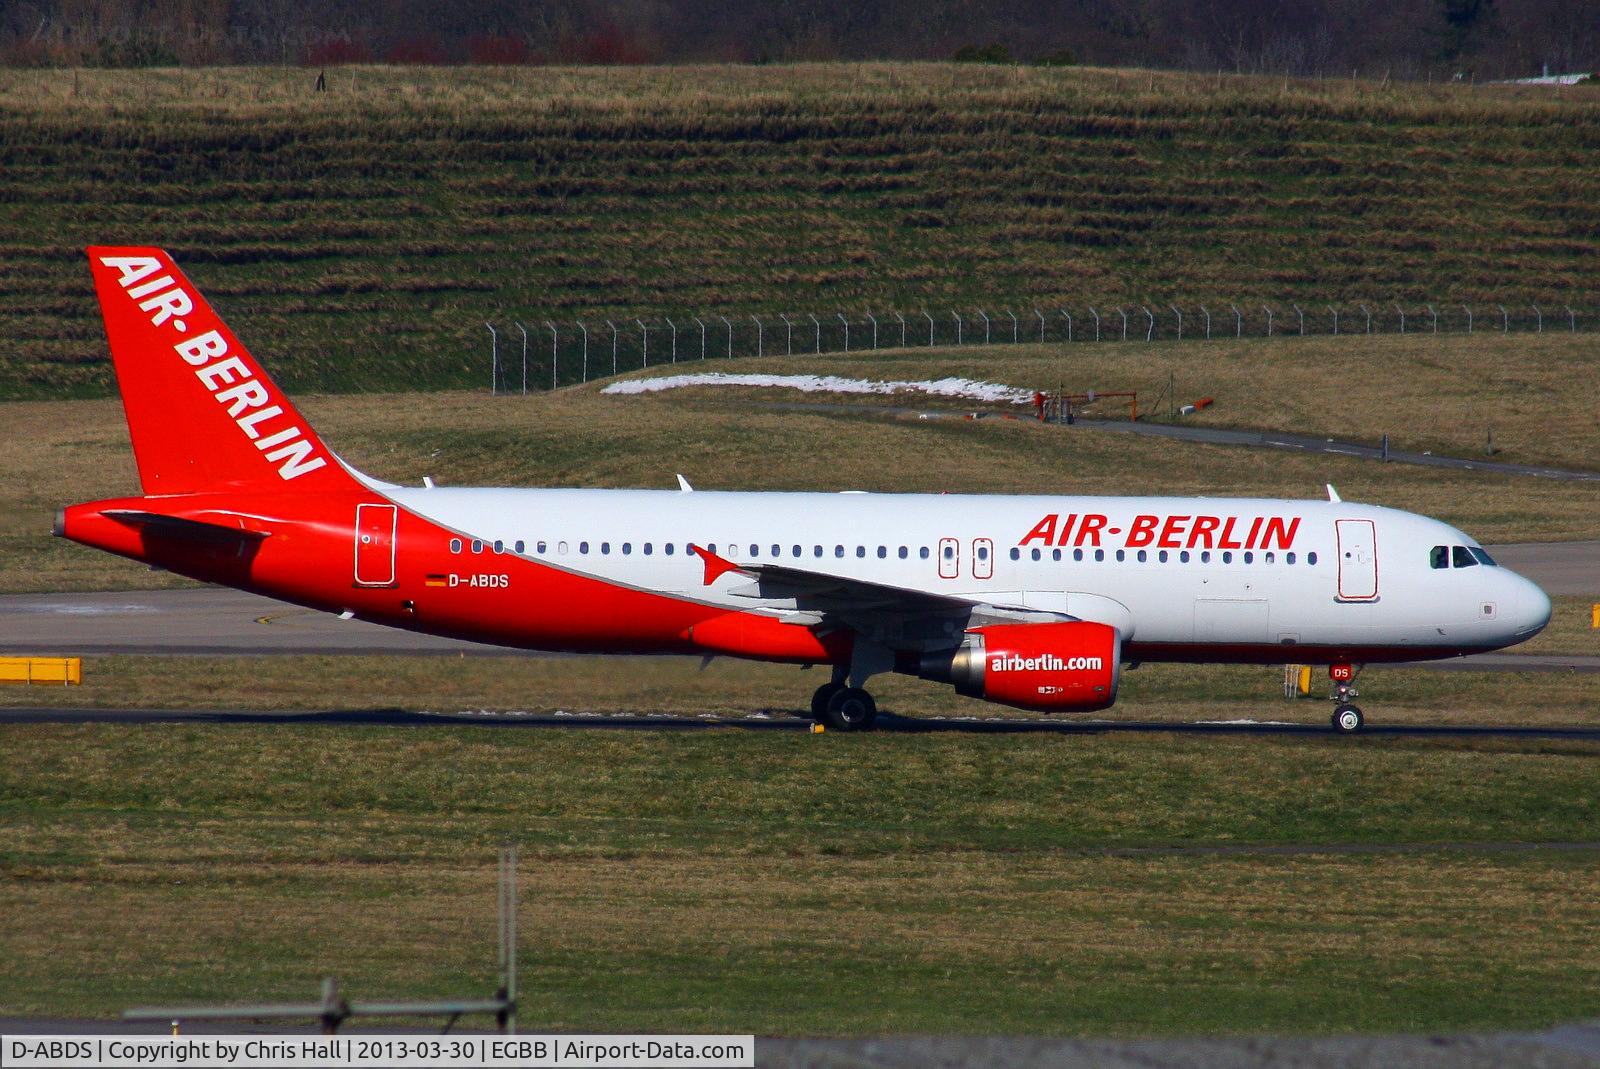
(520,546)
(455,545)
(1249,558)
(541,547)
(1162,556)
(923,552)
(1288,558)
(1037,554)
(605,548)
(949,552)
(583,547)
(816,551)
(1439,557)
(797,552)
(1271,557)
(1183,557)
(777,550)
(1099,554)
(1205,556)
(983,553)
(883,552)
(561,548)
(627,548)
(1121,556)
(649,548)
(1016,554)
(477,546)
(1055,554)
(1143,556)
(1460,558)
(1311,558)
(499,546)
(838,551)
(904,553)
(669,548)
(755,550)
(1077,554)
(861,551)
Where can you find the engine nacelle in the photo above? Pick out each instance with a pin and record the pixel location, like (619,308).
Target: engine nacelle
(1051,667)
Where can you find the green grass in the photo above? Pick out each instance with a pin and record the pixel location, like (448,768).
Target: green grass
(788,883)
(366,233)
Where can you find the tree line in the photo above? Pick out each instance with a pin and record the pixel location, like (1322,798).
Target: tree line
(1403,39)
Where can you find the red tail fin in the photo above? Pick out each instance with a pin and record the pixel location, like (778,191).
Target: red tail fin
(201,412)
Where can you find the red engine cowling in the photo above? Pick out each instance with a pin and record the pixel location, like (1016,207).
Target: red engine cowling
(1050,667)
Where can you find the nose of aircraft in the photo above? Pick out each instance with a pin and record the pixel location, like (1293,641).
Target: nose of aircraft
(1528,607)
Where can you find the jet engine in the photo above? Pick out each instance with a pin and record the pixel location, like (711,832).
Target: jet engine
(1061,667)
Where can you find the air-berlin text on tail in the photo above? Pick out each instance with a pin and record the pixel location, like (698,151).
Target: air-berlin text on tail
(1166,532)
(231,381)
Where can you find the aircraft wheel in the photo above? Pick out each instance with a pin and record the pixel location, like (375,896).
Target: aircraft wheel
(851,709)
(819,700)
(1347,719)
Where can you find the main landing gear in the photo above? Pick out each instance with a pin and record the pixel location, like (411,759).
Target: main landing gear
(843,708)
(1347,718)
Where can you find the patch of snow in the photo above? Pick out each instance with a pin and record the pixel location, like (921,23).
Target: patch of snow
(971,389)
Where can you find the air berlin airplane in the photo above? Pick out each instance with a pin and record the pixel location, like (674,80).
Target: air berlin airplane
(1030,601)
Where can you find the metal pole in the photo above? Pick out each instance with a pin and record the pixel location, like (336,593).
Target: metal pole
(957,317)
(1572,319)
(585,349)
(1207,313)
(818,327)
(902,320)
(1096,323)
(1041,323)
(1238,321)
(1302,316)
(1267,310)
(1150,328)
(1540,316)
(674,328)
(1014,325)
(494,359)
(645,331)
(1368,315)
(874,329)
(985,316)
(613,327)
(1402,313)
(730,335)
(1467,310)
(702,337)
(1434,313)
(1068,316)
(1335,312)
(1179,314)
(524,357)
(788,333)
(1505,319)
(930,327)
(553,364)
(761,344)
(846,323)
(1124,316)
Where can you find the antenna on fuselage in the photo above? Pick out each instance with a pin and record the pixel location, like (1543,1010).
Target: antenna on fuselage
(683,484)
(1333,495)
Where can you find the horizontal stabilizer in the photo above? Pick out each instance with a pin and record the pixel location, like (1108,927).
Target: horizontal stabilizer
(177,527)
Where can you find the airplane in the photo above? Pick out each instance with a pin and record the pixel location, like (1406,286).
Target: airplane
(1030,601)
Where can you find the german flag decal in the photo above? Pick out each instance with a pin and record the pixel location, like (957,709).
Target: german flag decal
(438,580)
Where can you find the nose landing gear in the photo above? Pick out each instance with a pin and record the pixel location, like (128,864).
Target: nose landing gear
(1347,718)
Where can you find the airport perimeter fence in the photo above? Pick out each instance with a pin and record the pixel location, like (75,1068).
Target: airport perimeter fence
(538,354)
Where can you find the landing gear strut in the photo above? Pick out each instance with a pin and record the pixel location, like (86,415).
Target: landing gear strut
(1347,718)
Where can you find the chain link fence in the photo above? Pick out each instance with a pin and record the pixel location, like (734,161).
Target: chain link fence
(546,353)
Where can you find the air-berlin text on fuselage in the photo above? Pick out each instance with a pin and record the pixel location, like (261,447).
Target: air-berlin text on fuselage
(1045,662)
(231,381)
(1166,532)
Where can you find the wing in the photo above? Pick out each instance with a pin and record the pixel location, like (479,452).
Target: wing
(898,616)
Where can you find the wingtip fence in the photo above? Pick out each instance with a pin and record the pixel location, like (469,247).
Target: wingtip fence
(637,341)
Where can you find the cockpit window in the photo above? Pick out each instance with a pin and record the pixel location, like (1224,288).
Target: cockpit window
(1483,558)
(1461,558)
(1439,557)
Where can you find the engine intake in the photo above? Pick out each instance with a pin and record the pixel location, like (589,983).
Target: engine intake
(1049,667)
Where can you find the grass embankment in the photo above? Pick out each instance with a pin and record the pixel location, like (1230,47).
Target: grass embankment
(368,231)
(806,884)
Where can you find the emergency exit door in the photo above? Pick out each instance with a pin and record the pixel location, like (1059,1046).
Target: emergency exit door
(1358,560)
(375,544)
